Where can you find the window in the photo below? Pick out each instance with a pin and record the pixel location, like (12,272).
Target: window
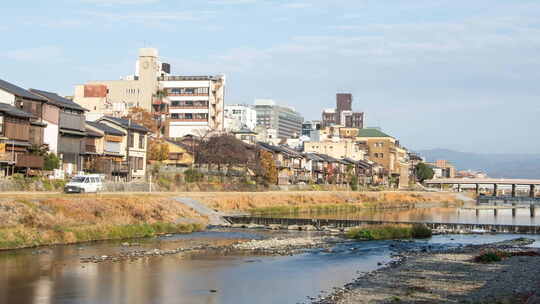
(141,141)
(131,140)
(382,155)
(188,116)
(174,116)
(1,124)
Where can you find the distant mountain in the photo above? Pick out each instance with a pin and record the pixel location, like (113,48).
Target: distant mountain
(495,165)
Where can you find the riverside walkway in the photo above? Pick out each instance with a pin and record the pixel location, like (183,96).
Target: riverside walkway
(338,223)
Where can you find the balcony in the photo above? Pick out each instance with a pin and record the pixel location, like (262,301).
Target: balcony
(90,148)
(29,161)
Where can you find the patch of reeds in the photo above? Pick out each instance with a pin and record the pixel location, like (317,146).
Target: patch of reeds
(389,232)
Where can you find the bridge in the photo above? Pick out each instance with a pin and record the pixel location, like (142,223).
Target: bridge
(338,223)
(532,183)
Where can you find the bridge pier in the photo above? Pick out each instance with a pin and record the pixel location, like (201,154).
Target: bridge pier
(531,191)
(477,189)
(477,212)
(495,189)
(514,210)
(513,190)
(459,188)
(495,211)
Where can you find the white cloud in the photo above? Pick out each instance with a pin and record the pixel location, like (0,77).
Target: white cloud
(42,54)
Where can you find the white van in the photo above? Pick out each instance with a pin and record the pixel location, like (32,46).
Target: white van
(84,183)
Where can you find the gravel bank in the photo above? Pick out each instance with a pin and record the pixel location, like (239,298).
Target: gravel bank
(448,277)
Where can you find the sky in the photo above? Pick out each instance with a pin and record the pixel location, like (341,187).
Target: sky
(455,74)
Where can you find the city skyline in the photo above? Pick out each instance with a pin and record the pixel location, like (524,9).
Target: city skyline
(435,74)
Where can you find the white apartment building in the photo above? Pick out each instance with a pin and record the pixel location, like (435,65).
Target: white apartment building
(239,116)
(195,104)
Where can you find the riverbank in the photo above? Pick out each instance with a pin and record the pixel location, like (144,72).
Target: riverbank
(283,202)
(451,276)
(31,222)
(37,219)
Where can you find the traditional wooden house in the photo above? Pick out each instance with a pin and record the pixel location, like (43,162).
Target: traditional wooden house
(29,103)
(103,152)
(180,155)
(134,144)
(15,142)
(65,131)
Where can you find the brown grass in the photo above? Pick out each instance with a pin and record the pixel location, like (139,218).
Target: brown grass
(60,220)
(306,200)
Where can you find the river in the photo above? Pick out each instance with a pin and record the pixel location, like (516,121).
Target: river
(56,275)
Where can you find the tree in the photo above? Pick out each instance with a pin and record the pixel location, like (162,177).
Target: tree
(143,117)
(268,165)
(51,162)
(158,150)
(424,172)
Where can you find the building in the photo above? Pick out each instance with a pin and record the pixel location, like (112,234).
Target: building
(196,104)
(310,126)
(246,135)
(182,105)
(386,151)
(15,141)
(115,97)
(29,103)
(339,150)
(343,113)
(447,170)
(103,150)
(180,155)
(285,120)
(65,131)
(237,117)
(133,145)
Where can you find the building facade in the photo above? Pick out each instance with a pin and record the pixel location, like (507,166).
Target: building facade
(195,104)
(65,131)
(237,117)
(285,120)
(182,105)
(343,113)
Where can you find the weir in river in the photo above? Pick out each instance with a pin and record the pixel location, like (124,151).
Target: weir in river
(346,223)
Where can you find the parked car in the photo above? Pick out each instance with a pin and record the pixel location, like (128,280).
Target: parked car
(84,183)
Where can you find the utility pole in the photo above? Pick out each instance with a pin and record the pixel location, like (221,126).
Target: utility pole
(127,150)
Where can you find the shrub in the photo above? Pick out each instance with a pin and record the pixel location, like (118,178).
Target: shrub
(193,176)
(384,232)
(491,256)
(421,231)
(51,162)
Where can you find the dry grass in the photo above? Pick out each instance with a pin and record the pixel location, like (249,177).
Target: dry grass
(306,201)
(61,220)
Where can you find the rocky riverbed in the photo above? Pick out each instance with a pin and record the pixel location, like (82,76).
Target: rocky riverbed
(449,276)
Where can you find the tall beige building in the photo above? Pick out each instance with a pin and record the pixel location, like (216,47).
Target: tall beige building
(184,105)
(115,97)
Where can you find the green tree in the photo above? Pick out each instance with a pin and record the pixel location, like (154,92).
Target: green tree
(158,150)
(51,162)
(424,172)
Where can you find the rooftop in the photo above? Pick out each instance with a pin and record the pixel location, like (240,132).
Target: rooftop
(125,123)
(372,132)
(18,91)
(58,100)
(13,111)
(106,129)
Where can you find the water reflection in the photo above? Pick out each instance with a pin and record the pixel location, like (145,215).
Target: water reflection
(58,277)
(522,216)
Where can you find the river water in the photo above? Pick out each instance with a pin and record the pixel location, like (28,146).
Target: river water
(56,275)
(437,215)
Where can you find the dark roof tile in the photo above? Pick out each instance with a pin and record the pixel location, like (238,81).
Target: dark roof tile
(18,91)
(58,100)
